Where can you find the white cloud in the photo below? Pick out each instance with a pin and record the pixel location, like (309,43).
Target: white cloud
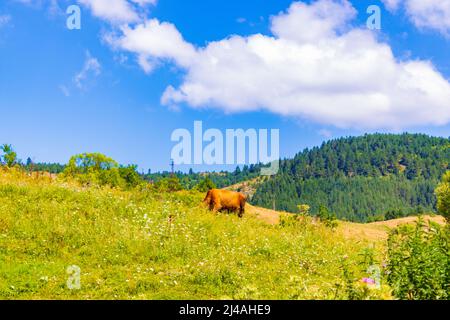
(117,11)
(392,4)
(425,14)
(154,41)
(90,68)
(315,66)
(321,20)
(4,20)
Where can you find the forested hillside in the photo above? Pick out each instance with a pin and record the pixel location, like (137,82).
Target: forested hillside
(373,177)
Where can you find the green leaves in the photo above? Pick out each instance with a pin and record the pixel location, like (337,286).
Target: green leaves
(10,157)
(98,169)
(443,195)
(419,262)
(89,162)
(205,185)
(170,184)
(328,218)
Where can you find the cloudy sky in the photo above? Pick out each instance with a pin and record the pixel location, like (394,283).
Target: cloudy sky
(139,69)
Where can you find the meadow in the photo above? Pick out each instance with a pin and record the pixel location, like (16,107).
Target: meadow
(144,244)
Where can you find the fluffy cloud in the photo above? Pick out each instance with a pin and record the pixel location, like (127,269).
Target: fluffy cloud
(303,23)
(117,11)
(316,66)
(153,41)
(425,14)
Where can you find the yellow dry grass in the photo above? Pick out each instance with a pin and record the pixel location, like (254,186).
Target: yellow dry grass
(376,231)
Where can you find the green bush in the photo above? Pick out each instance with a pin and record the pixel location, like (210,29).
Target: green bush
(205,185)
(98,169)
(443,195)
(9,156)
(171,184)
(328,218)
(419,262)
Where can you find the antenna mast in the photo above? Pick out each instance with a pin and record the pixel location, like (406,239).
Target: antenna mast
(172,166)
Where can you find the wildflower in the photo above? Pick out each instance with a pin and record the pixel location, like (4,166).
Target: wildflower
(368,281)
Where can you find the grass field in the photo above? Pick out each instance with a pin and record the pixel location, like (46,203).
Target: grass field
(148,245)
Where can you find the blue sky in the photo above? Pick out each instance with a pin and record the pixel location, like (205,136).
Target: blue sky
(64,92)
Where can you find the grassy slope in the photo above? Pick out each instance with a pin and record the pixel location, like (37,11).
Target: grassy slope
(144,245)
(376,231)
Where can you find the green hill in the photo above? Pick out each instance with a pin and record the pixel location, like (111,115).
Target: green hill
(144,244)
(373,177)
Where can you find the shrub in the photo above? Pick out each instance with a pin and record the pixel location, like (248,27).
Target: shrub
(443,195)
(130,176)
(303,209)
(363,280)
(205,185)
(9,156)
(171,184)
(98,169)
(328,218)
(419,262)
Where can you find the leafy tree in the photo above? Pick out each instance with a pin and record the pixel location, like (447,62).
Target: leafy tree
(169,184)
(96,168)
(326,217)
(9,156)
(205,185)
(418,264)
(443,195)
(130,176)
(88,163)
(303,209)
